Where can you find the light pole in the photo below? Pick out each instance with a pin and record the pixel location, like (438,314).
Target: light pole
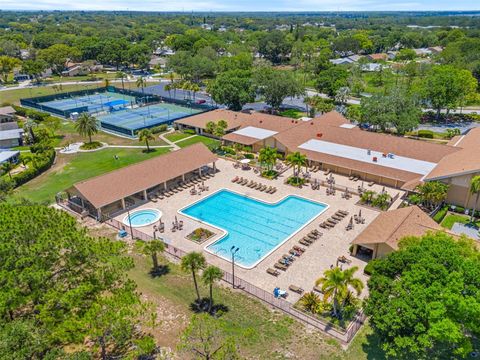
(233,250)
(130,222)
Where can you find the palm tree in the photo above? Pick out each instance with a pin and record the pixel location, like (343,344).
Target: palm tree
(86,125)
(192,262)
(168,87)
(311,302)
(336,283)
(475,190)
(210,275)
(146,135)
(121,75)
(297,160)
(152,248)
(195,88)
(210,127)
(29,125)
(141,83)
(7,167)
(267,157)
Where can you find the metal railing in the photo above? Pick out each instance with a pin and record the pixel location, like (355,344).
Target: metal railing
(278,303)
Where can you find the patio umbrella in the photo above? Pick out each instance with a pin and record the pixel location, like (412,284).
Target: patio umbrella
(351,221)
(360,213)
(176,221)
(383,190)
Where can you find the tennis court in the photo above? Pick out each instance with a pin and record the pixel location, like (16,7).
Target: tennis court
(127,121)
(104,101)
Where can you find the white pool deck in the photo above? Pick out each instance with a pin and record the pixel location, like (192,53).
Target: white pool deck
(350,152)
(305,269)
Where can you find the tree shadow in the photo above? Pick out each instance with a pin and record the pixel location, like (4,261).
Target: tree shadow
(202,307)
(373,347)
(145,151)
(161,270)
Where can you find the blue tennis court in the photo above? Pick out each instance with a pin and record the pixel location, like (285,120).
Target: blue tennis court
(127,121)
(104,101)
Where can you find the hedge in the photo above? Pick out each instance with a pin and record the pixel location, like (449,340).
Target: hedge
(425,134)
(30,173)
(30,113)
(159,129)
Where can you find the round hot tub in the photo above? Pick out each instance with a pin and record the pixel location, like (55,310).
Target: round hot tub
(143,217)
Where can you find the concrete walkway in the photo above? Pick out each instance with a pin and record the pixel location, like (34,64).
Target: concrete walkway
(170,143)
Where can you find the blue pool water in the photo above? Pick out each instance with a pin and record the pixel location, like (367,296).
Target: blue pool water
(142,217)
(255,227)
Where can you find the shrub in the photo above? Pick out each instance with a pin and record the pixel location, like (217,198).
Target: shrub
(43,163)
(428,134)
(270,174)
(369,268)
(30,113)
(91,145)
(249,156)
(189,131)
(229,150)
(295,181)
(159,128)
(441,214)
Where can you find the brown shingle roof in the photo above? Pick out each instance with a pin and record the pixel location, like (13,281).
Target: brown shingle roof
(391,226)
(316,129)
(108,188)
(464,161)
(236,120)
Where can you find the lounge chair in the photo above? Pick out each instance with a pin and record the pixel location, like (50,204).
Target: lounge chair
(273,272)
(235,179)
(294,252)
(343,212)
(318,289)
(337,217)
(274,190)
(312,236)
(299,249)
(308,240)
(327,172)
(303,242)
(332,221)
(251,184)
(371,183)
(296,289)
(280,266)
(351,177)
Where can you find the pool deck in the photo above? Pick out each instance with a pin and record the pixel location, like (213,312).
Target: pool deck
(318,257)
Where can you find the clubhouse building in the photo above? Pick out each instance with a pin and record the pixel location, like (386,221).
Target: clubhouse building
(332,142)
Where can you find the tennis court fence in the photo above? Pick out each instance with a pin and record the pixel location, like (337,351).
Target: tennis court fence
(344,336)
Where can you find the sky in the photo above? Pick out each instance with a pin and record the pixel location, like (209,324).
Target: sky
(242,5)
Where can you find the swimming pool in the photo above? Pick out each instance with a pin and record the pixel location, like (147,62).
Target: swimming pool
(257,228)
(142,217)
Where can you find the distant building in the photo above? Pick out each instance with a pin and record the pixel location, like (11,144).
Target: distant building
(11,138)
(377,57)
(423,52)
(371,67)
(346,60)
(157,61)
(7,114)
(206,27)
(10,156)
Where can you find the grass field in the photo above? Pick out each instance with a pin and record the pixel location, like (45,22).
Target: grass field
(196,139)
(261,333)
(66,134)
(451,219)
(177,136)
(70,169)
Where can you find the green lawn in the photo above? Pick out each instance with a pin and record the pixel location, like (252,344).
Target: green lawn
(196,139)
(66,134)
(293,113)
(177,135)
(451,219)
(260,332)
(70,169)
